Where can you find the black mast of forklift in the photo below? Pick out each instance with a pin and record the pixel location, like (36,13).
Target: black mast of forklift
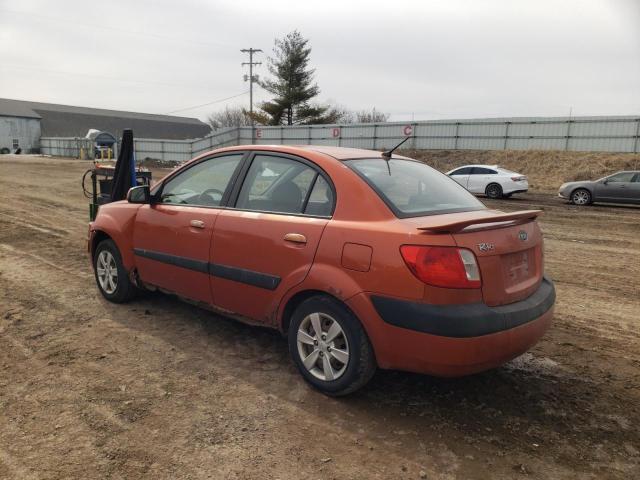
(110,183)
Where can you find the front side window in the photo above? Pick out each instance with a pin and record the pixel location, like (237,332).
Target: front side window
(413,189)
(276,184)
(462,171)
(622,177)
(204,184)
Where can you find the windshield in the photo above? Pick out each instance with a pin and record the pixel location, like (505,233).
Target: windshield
(413,189)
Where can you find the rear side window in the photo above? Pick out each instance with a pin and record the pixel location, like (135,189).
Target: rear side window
(413,189)
(483,171)
(282,185)
(321,199)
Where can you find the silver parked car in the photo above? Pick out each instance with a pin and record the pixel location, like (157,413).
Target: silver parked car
(621,187)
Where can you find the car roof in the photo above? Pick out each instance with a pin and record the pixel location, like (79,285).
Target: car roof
(477,165)
(343,153)
(339,153)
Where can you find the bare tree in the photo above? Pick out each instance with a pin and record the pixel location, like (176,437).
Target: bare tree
(229,117)
(373,116)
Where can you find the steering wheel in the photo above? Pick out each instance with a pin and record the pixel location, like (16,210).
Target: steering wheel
(211,200)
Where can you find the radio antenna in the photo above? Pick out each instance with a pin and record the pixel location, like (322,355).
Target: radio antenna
(387,154)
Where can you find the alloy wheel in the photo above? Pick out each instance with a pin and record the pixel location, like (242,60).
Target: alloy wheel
(107,271)
(323,346)
(581,197)
(493,191)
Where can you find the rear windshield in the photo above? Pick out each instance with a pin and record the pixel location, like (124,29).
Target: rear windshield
(413,189)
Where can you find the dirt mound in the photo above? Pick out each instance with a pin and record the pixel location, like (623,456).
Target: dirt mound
(546,170)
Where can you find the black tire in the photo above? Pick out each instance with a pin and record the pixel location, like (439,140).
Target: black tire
(361,364)
(124,289)
(493,190)
(581,196)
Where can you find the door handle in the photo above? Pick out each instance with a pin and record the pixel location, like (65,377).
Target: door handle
(295,238)
(197,223)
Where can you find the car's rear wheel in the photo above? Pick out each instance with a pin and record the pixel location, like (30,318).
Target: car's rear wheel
(493,190)
(111,276)
(581,196)
(330,347)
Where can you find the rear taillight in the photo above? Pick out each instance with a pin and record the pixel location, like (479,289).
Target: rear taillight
(447,267)
(519,179)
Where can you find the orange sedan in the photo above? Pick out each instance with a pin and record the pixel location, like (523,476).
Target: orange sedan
(362,259)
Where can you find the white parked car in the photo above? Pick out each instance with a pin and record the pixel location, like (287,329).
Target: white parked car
(490,180)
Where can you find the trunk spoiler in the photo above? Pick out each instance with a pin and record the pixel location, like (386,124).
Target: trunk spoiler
(456,226)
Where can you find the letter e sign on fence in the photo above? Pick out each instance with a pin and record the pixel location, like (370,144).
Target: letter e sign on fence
(258,133)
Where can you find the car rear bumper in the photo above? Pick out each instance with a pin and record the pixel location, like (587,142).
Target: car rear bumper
(453,340)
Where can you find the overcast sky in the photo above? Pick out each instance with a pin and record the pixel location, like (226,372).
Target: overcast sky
(411,59)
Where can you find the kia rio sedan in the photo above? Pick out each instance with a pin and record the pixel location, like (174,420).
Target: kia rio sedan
(362,260)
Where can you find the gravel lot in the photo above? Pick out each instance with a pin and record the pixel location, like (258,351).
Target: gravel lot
(160,389)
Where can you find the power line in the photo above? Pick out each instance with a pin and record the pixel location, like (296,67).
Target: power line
(206,104)
(115,29)
(102,77)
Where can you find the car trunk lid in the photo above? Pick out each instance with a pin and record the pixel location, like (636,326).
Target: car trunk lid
(508,247)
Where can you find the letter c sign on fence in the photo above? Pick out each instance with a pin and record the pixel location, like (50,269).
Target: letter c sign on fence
(407,130)
(335,132)
(258,133)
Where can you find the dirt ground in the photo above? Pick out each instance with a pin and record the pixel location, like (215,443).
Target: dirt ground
(160,389)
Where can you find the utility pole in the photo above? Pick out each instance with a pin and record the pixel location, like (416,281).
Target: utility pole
(251,79)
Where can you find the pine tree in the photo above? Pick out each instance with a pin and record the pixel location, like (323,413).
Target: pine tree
(292,86)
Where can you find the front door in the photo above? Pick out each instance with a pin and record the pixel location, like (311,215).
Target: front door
(461,175)
(266,244)
(172,237)
(615,188)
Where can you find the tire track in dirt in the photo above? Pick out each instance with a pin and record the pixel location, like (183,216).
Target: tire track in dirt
(108,414)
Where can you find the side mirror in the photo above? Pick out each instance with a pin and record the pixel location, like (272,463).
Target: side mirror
(140,194)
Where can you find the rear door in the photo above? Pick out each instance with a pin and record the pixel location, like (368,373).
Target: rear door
(172,238)
(265,243)
(480,177)
(461,175)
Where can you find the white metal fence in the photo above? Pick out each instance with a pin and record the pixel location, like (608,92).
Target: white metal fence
(67,147)
(608,134)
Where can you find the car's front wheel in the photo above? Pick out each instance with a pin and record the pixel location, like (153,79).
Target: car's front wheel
(111,276)
(581,196)
(330,347)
